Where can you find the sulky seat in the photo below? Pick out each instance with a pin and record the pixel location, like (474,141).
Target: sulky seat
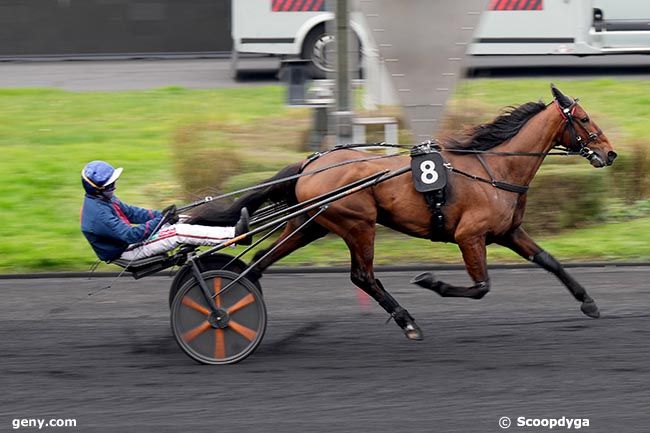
(150,265)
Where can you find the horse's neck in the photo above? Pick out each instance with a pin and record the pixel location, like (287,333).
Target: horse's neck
(537,137)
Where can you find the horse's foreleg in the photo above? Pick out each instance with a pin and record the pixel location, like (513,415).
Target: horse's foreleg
(360,242)
(298,240)
(473,249)
(520,242)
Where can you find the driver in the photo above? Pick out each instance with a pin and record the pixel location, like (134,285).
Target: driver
(116,230)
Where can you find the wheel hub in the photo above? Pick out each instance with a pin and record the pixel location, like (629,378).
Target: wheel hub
(219,319)
(324,52)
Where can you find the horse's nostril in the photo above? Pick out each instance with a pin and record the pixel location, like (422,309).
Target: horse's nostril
(611,156)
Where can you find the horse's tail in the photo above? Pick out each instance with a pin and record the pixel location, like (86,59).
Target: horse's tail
(214,215)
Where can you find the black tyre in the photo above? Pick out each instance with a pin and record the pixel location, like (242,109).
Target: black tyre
(228,337)
(320,47)
(214,262)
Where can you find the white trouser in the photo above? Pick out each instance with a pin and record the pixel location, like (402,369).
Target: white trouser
(170,237)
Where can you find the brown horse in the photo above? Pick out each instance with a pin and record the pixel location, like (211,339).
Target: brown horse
(475,213)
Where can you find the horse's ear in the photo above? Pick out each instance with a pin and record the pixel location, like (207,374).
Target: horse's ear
(562,99)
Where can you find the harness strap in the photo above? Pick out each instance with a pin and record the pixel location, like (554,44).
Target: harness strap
(519,189)
(316,155)
(486,167)
(300,174)
(436,199)
(561,152)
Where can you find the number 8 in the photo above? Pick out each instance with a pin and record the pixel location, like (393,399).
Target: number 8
(429,173)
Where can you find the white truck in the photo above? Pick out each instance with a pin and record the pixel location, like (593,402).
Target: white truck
(291,28)
(580,27)
(297,28)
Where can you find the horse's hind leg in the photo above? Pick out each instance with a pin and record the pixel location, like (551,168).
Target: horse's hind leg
(298,240)
(360,241)
(473,249)
(520,242)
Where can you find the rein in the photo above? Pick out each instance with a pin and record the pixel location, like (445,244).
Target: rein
(313,157)
(506,186)
(567,113)
(562,151)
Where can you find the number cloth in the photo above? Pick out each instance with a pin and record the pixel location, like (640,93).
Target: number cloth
(429,172)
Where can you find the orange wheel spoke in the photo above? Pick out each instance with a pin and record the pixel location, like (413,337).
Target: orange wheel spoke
(193,333)
(217,288)
(246,300)
(219,344)
(245,332)
(189,302)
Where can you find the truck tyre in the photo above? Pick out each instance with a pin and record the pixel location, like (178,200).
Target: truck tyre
(320,47)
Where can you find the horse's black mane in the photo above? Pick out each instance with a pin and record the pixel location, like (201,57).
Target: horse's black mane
(503,128)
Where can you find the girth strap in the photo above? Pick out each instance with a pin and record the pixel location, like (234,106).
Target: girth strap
(436,200)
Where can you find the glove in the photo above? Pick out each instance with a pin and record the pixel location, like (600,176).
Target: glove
(169,214)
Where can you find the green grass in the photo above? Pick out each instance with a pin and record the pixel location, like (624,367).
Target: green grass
(621,241)
(620,107)
(46,136)
(627,240)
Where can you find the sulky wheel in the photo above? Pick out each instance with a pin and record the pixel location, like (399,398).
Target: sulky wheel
(213,261)
(226,337)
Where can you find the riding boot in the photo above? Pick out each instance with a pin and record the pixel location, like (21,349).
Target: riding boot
(243,227)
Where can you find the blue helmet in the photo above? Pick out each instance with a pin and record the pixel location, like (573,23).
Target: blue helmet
(97,175)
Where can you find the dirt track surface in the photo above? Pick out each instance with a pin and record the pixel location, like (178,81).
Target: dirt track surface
(328,362)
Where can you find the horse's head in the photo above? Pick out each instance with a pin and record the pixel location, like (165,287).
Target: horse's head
(580,133)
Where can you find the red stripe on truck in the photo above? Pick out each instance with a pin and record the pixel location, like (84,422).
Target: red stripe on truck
(497,5)
(515,5)
(297,5)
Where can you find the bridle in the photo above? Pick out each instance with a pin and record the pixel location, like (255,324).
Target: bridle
(578,145)
(577,142)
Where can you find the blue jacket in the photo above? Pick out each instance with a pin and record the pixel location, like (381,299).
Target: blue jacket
(108,225)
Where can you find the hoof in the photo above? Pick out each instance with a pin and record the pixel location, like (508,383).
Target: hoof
(413,332)
(425,279)
(428,281)
(590,309)
(407,323)
(480,292)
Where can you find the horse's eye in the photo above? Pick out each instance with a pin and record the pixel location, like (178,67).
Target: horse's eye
(585,120)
